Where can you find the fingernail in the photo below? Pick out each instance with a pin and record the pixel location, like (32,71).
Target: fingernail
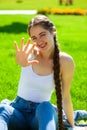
(29,38)
(22,38)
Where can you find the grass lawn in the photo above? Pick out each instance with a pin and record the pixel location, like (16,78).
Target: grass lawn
(39,4)
(72,36)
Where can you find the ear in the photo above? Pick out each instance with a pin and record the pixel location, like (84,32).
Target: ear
(54,31)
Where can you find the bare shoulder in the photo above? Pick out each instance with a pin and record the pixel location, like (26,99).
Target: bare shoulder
(66,61)
(64,57)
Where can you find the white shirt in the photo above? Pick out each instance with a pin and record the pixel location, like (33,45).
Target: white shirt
(33,87)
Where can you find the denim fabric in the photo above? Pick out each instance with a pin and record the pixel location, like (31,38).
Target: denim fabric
(24,115)
(78,115)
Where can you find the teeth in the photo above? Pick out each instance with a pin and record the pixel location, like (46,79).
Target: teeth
(42,46)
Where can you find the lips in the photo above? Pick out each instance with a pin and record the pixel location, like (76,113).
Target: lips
(43,45)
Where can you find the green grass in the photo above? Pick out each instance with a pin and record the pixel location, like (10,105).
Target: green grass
(39,4)
(72,36)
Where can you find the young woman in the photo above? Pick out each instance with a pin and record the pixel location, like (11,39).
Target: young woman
(44,68)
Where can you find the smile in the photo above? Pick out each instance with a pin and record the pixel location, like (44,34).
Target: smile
(43,45)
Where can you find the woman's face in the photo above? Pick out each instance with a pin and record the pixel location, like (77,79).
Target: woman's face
(43,38)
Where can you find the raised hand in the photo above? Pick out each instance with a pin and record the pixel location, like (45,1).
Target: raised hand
(22,54)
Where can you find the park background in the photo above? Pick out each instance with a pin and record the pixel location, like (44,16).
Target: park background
(71,35)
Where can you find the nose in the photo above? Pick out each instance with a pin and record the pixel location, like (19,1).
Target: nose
(39,41)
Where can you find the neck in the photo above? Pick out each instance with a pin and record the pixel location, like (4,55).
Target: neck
(47,55)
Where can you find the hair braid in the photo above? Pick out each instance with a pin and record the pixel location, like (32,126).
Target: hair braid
(56,69)
(48,25)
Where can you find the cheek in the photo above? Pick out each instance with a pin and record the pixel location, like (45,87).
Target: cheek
(51,40)
(48,38)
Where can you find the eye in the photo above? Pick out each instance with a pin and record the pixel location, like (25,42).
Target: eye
(34,38)
(42,35)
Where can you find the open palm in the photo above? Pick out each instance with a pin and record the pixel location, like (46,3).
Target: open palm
(22,54)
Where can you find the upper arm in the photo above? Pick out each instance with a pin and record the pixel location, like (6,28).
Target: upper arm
(67,71)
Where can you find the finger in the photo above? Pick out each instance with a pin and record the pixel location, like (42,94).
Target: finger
(16,46)
(22,45)
(27,45)
(31,49)
(28,42)
(38,52)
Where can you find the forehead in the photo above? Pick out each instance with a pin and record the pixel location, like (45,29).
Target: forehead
(36,30)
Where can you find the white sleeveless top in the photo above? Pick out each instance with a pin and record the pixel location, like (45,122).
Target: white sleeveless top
(33,87)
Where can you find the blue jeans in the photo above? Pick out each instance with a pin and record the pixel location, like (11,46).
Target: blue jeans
(23,115)
(27,115)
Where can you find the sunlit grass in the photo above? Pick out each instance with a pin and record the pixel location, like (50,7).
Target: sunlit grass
(72,36)
(38,4)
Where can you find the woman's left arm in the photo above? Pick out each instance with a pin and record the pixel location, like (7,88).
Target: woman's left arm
(67,71)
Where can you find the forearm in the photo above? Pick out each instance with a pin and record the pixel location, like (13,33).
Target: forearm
(68,109)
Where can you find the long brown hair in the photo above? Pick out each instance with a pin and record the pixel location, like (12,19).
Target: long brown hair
(47,24)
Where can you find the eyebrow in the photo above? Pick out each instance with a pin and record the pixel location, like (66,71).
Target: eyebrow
(39,34)
(42,33)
